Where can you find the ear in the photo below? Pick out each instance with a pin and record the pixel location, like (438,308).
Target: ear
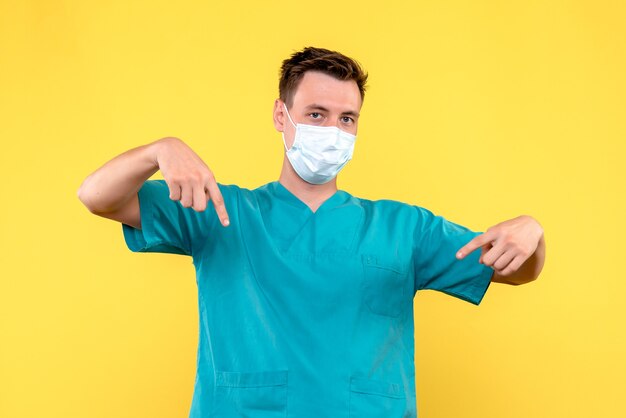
(279,115)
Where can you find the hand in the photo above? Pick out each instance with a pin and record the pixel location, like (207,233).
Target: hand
(507,245)
(189,179)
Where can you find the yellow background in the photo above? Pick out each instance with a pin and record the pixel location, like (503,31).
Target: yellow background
(477,110)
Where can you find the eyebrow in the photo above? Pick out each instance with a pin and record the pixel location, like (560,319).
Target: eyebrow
(320,107)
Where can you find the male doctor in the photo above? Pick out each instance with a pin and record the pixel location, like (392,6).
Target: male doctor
(305,291)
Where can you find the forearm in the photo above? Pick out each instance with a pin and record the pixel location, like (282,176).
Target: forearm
(110,186)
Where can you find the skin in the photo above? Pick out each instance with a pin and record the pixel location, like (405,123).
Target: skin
(515,248)
(340,103)
(111,190)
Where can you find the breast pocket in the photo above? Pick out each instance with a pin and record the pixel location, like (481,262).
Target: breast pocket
(384,286)
(375,398)
(251,394)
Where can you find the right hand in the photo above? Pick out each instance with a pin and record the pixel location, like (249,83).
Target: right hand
(189,179)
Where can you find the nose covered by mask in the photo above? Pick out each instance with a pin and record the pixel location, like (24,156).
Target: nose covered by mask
(318,153)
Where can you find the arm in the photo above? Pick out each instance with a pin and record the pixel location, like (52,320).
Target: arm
(111,190)
(515,249)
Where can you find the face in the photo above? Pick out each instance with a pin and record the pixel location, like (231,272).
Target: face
(321,100)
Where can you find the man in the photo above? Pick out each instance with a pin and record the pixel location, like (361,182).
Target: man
(305,292)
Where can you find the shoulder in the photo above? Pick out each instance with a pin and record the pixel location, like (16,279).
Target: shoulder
(252,197)
(397,209)
(234,188)
(229,190)
(401,217)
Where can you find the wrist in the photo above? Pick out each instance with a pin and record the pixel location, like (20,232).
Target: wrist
(157,148)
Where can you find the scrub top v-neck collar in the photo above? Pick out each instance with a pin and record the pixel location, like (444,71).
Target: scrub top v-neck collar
(284,195)
(290,226)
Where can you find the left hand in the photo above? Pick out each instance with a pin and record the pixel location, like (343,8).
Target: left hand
(507,245)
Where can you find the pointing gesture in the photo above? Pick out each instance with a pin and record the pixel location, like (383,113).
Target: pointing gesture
(506,246)
(188,178)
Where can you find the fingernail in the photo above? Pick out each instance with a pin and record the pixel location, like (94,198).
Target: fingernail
(459,255)
(226,222)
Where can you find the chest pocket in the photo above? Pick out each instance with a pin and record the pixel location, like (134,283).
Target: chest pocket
(384,286)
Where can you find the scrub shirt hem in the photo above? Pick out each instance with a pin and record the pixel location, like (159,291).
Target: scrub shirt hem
(483,283)
(476,292)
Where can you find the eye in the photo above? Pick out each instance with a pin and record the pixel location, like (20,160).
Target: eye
(315,115)
(347,119)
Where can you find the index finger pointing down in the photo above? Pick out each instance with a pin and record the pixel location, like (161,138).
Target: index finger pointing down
(474,244)
(218,201)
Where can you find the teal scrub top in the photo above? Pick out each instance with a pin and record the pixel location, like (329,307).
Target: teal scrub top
(307,314)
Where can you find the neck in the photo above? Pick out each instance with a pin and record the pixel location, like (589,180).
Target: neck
(313,195)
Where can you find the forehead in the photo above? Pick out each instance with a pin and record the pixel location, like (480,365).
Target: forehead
(323,89)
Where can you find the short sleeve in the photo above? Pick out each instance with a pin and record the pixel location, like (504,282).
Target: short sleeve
(166,225)
(436,242)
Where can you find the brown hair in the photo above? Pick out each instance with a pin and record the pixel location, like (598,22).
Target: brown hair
(318,59)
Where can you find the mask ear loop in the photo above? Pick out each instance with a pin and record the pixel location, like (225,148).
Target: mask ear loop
(288,115)
(284,143)
(294,125)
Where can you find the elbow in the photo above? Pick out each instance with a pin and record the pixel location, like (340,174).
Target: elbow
(84,195)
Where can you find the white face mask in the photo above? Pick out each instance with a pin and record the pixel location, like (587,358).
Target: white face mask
(318,153)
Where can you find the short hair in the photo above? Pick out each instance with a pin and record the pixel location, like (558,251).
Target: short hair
(311,58)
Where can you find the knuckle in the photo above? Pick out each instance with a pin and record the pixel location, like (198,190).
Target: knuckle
(196,177)
(186,178)
(176,177)
(178,180)
(189,178)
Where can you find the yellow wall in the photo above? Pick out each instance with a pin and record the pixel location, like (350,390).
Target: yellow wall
(478,110)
